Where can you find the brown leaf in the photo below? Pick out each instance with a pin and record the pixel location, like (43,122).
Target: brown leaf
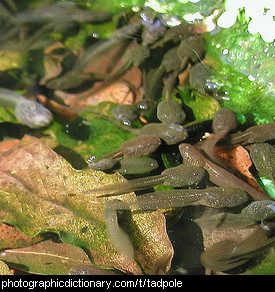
(56,107)
(12,237)
(118,92)
(8,144)
(40,191)
(47,258)
(238,159)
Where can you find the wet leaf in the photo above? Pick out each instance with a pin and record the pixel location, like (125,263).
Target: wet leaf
(41,192)
(12,237)
(7,115)
(47,258)
(10,59)
(7,144)
(4,269)
(125,90)
(238,159)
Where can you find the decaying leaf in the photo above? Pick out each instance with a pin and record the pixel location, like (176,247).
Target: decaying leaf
(4,269)
(238,159)
(7,144)
(126,90)
(12,237)
(47,258)
(41,192)
(118,92)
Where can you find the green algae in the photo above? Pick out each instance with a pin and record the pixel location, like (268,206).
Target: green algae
(245,65)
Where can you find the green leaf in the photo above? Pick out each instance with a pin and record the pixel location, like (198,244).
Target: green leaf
(10,59)
(7,115)
(41,192)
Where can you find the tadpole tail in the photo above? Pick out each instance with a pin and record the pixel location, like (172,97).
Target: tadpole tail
(128,186)
(119,238)
(167,199)
(238,138)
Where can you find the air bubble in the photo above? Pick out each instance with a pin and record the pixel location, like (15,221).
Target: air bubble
(251,78)
(225,51)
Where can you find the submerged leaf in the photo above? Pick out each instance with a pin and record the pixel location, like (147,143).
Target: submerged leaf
(4,269)
(40,192)
(47,257)
(238,159)
(12,237)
